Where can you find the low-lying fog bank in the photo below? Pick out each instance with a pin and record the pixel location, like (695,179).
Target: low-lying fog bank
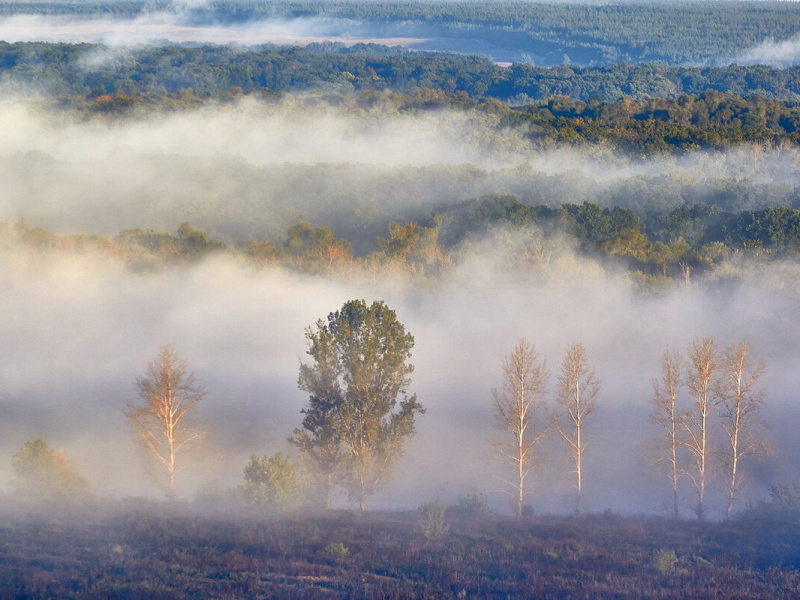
(251,170)
(160,28)
(79,330)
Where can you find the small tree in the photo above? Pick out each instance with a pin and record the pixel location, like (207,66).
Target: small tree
(315,249)
(669,419)
(43,473)
(271,482)
(414,247)
(351,430)
(701,379)
(516,404)
(163,421)
(577,389)
(741,421)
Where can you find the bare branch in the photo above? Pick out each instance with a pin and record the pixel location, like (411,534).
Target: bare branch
(701,380)
(162,422)
(741,400)
(516,405)
(577,389)
(667,417)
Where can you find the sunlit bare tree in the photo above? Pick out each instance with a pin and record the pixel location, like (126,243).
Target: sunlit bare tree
(163,420)
(741,421)
(669,419)
(516,404)
(701,380)
(577,389)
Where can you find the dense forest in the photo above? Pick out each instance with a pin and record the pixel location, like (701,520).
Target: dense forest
(85,69)
(644,128)
(547,33)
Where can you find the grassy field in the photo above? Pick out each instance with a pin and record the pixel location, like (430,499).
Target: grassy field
(168,551)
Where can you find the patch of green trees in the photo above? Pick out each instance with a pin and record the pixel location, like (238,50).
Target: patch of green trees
(698,237)
(44,474)
(98,72)
(550,33)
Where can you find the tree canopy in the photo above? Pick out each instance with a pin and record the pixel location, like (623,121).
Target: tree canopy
(358,414)
(271,482)
(44,473)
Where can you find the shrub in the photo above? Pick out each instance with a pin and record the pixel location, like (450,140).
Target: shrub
(472,506)
(271,482)
(431,520)
(664,561)
(43,473)
(336,550)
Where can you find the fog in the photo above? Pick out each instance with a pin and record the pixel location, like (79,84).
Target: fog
(178,27)
(154,27)
(780,54)
(251,170)
(181,25)
(78,330)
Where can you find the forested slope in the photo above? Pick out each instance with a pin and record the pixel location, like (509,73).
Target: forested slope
(81,69)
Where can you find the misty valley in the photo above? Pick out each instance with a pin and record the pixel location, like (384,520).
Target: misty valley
(399,299)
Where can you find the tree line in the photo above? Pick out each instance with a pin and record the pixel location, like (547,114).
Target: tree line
(722,383)
(352,431)
(638,128)
(60,70)
(675,33)
(647,127)
(688,241)
(693,389)
(359,415)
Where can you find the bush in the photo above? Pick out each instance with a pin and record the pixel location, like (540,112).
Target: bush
(271,482)
(431,520)
(664,561)
(472,506)
(46,474)
(336,550)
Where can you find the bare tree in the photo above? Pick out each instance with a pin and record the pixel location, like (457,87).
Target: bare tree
(667,417)
(577,389)
(163,421)
(516,404)
(701,381)
(741,421)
